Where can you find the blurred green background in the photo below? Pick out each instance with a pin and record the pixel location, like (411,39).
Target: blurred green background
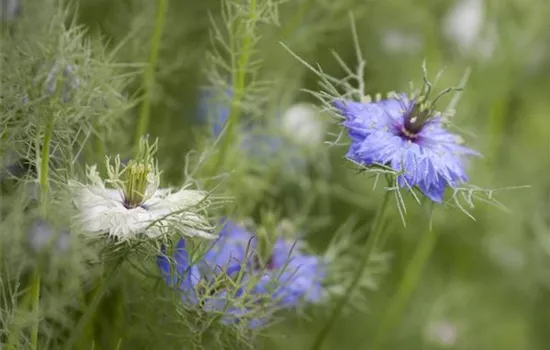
(487,285)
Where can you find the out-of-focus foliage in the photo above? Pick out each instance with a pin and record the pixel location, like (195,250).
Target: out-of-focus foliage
(79,70)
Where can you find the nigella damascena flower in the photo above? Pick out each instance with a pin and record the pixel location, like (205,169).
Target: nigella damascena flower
(136,205)
(283,277)
(59,79)
(467,26)
(42,234)
(286,273)
(442,333)
(215,288)
(12,167)
(409,136)
(300,124)
(396,41)
(291,276)
(9,10)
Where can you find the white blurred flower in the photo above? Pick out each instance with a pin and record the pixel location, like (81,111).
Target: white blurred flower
(137,206)
(9,10)
(396,41)
(442,333)
(506,254)
(465,24)
(302,123)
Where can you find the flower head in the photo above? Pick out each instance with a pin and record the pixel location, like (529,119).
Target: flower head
(136,205)
(9,10)
(292,276)
(42,234)
(466,25)
(214,288)
(443,333)
(409,136)
(301,123)
(61,79)
(299,127)
(287,277)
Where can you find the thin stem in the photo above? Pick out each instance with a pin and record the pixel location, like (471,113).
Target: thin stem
(45,162)
(297,19)
(149,74)
(44,189)
(32,298)
(407,285)
(90,310)
(238,82)
(370,245)
(35,296)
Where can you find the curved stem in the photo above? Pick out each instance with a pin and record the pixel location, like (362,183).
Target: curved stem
(149,74)
(407,285)
(370,245)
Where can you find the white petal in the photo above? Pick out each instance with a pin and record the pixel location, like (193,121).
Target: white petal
(166,201)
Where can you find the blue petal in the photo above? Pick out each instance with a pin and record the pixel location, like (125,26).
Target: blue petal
(164,265)
(362,118)
(212,110)
(181,258)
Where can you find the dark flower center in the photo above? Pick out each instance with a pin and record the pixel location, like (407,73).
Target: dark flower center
(258,264)
(415,118)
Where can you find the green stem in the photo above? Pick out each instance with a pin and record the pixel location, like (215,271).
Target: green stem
(44,163)
(407,285)
(370,246)
(90,310)
(238,82)
(35,296)
(44,189)
(149,74)
(32,298)
(296,20)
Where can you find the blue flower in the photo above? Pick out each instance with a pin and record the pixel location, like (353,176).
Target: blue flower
(9,10)
(288,277)
(292,276)
(44,235)
(408,136)
(212,111)
(257,143)
(202,284)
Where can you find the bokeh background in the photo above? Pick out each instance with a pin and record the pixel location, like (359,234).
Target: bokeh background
(487,284)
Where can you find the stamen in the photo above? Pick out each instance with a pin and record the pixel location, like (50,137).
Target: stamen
(139,175)
(136,181)
(408,134)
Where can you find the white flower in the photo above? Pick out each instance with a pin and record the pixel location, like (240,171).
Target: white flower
(465,23)
(442,333)
(506,254)
(302,123)
(395,41)
(105,210)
